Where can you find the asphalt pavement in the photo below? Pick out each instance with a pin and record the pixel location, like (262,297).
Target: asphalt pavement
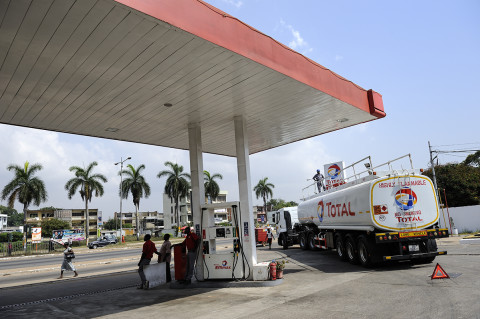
(316,285)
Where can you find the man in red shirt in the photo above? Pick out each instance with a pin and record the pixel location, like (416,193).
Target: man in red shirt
(191,242)
(147,254)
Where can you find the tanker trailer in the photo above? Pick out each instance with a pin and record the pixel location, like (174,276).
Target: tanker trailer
(383,216)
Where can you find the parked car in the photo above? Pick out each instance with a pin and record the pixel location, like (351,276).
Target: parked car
(106,240)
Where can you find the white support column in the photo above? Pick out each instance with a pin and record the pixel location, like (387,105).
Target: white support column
(247,226)
(198,191)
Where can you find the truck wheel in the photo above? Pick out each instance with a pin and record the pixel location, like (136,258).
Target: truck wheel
(280,240)
(311,241)
(365,252)
(351,250)
(303,241)
(340,247)
(431,247)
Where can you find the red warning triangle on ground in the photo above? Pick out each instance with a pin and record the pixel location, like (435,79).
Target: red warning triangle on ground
(439,273)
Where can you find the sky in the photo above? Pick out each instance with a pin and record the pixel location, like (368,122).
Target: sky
(422,56)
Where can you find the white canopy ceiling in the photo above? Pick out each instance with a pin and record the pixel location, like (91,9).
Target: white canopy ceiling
(109,69)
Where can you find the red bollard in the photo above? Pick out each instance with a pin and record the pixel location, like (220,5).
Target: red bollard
(273,270)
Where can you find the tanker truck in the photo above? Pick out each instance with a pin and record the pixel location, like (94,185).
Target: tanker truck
(376,217)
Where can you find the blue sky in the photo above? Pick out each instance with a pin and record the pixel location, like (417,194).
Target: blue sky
(422,56)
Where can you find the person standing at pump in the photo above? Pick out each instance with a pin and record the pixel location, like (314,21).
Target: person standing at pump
(191,242)
(319,179)
(166,255)
(147,254)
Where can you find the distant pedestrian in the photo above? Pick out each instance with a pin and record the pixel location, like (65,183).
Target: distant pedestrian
(67,264)
(147,254)
(166,255)
(319,179)
(269,238)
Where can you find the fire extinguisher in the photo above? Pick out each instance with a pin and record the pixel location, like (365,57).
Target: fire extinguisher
(273,270)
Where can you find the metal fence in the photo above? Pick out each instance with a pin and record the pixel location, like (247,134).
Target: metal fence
(16,248)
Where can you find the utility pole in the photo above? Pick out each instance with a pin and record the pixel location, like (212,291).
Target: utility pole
(121,193)
(433,168)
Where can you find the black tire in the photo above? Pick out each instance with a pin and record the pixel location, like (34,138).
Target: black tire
(351,250)
(340,245)
(366,252)
(280,240)
(311,241)
(431,245)
(94,246)
(303,241)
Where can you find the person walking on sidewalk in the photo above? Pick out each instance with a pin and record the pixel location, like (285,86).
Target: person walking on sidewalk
(269,238)
(147,254)
(166,255)
(67,264)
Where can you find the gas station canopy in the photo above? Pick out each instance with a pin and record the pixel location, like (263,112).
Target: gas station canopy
(144,70)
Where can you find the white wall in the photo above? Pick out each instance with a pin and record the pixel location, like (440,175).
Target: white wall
(466,218)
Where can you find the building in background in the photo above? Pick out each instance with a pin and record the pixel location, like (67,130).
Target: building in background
(259,215)
(150,222)
(3,221)
(185,210)
(75,217)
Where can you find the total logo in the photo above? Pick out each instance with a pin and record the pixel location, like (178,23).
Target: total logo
(320,209)
(405,198)
(224,265)
(333,171)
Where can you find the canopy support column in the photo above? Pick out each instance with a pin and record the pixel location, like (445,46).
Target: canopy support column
(247,226)
(198,191)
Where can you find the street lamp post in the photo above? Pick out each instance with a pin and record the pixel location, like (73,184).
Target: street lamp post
(121,193)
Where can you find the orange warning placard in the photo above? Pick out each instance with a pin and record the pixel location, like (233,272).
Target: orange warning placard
(439,273)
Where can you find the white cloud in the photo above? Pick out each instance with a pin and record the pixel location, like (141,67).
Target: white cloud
(297,43)
(235,3)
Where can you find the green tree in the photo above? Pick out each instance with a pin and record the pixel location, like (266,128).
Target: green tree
(51,224)
(88,184)
(473,159)
(110,224)
(14,218)
(134,183)
(176,186)
(275,204)
(461,183)
(26,188)
(211,186)
(264,190)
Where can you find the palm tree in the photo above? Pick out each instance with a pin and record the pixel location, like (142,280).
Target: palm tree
(211,187)
(176,186)
(26,188)
(264,189)
(134,183)
(88,183)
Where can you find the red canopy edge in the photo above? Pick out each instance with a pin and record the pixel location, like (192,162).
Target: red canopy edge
(215,26)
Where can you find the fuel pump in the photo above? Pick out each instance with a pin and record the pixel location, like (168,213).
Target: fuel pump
(224,263)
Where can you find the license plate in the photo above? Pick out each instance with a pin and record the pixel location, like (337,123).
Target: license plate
(413,247)
(413,234)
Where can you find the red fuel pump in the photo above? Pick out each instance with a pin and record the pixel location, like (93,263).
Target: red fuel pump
(273,270)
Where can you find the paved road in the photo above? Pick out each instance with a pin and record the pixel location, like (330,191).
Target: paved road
(316,285)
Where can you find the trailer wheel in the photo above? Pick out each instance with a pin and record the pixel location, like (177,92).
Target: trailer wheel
(365,252)
(431,246)
(311,241)
(351,250)
(303,241)
(340,245)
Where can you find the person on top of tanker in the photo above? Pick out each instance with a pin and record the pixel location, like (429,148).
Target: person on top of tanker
(319,179)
